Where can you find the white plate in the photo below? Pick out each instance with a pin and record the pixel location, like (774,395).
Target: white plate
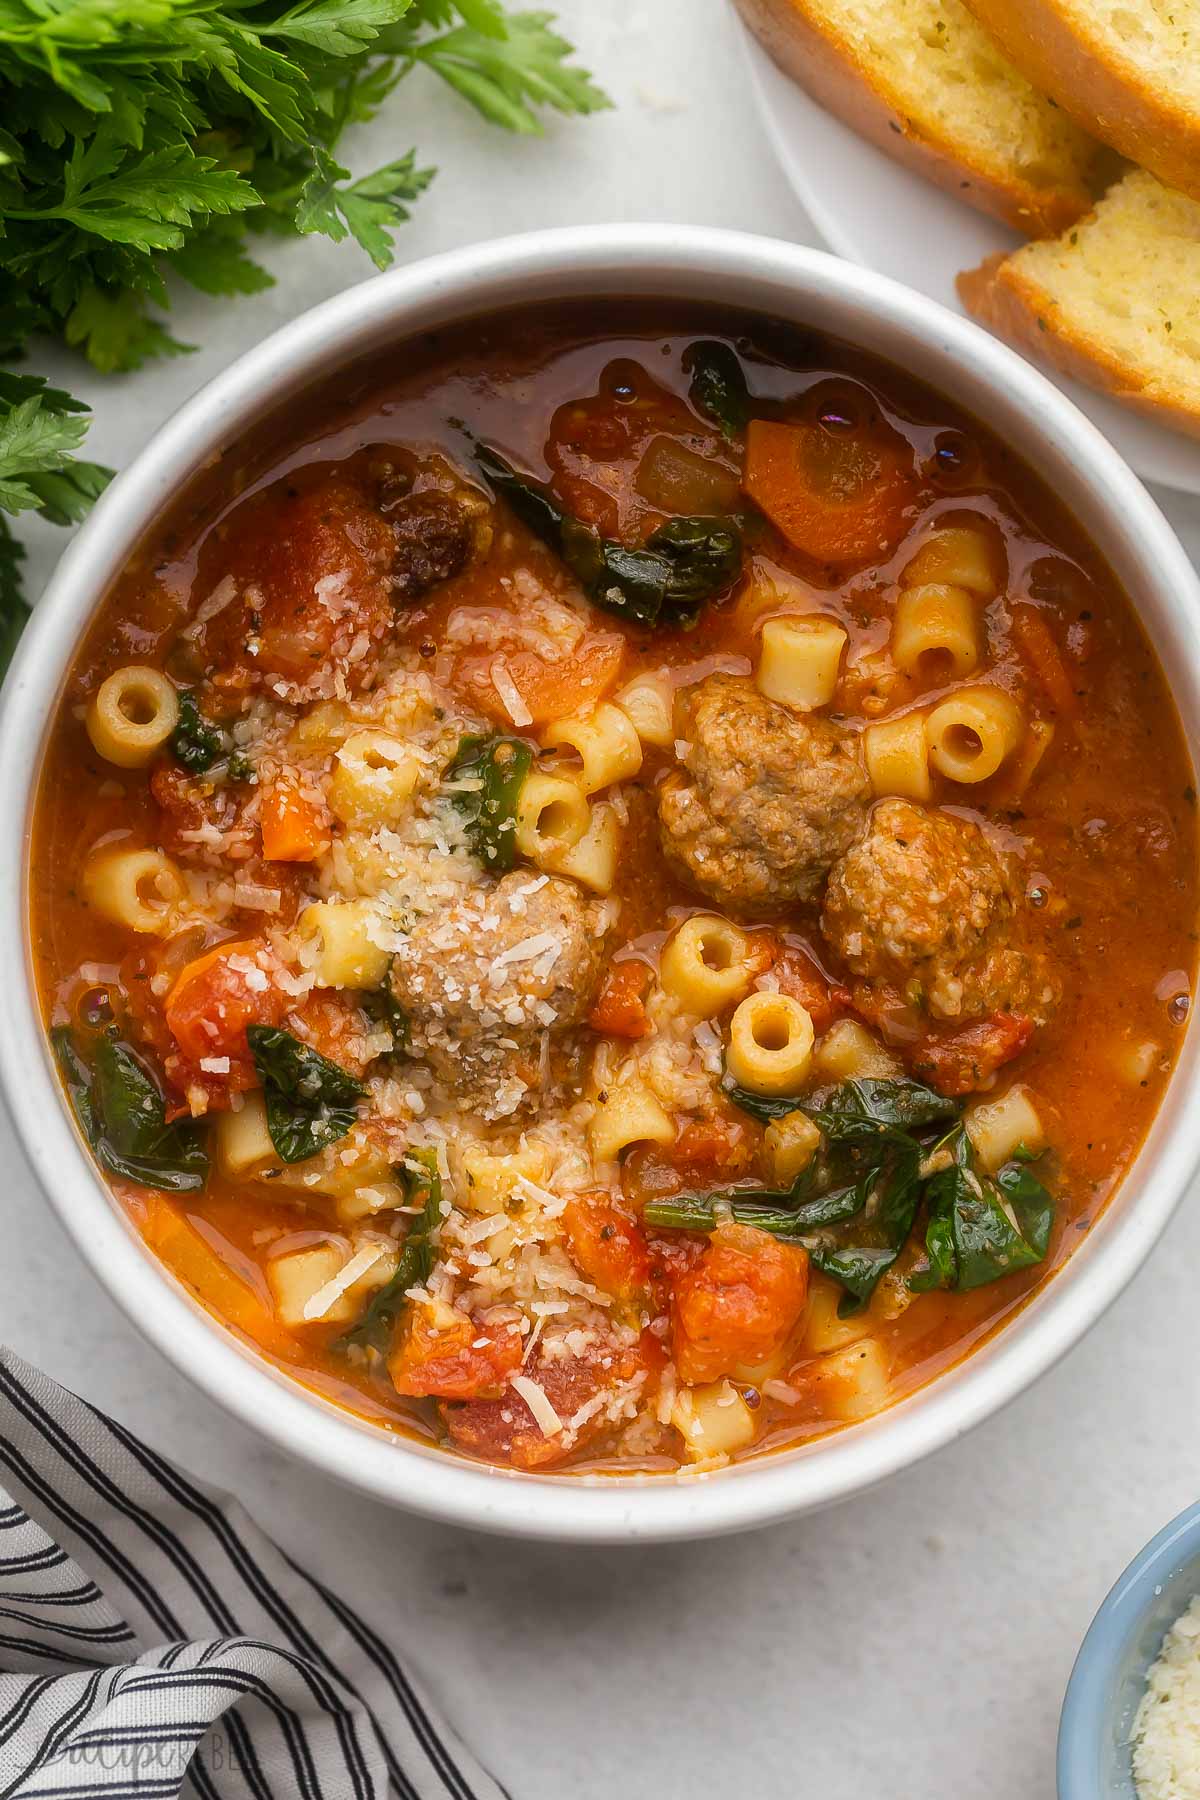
(872,211)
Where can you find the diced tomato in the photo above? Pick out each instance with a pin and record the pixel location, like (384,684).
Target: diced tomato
(191,809)
(335,1026)
(1041,653)
(608,1247)
(964,1060)
(798,975)
(551,687)
(505,1430)
(294,824)
(738,1304)
(710,1149)
(456,1359)
(310,567)
(839,498)
(215,997)
(619,1009)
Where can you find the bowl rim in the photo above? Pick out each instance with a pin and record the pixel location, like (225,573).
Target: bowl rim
(652,259)
(1085,1709)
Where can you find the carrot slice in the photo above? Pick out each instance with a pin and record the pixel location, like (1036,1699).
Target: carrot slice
(295,826)
(837,499)
(1035,640)
(213,1282)
(548,690)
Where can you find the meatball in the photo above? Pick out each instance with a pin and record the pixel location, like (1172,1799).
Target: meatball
(438,522)
(486,984)
(924,908)
(766,801)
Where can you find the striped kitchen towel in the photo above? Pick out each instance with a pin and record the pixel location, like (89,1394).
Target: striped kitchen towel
(153,1642)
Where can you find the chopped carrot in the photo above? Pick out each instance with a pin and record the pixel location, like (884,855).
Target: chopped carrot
(1035,640)
(837,499)
(620,1009)
(295,825)
(548,689)
(215,1284)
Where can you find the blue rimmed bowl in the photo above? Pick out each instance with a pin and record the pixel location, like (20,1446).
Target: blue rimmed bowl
(1109,1677)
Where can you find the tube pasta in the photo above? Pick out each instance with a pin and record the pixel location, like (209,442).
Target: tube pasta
(823,1329)
(799,661)
(648,701)
(853,1381)
(935,631)
(606,743)
(970,734)
(898,757)
(241,1139)
(848,1052)
(552,816)
(965,556)
(789,1145)
(132,715)
(347,956)
(373,779)
(139,889)
(712,1420)
(624,1115)
(593,860)
(705,966)
(997,1127)
(770,1044)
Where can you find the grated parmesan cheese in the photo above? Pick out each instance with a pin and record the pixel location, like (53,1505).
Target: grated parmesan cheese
(1166,1728)
(535,1398)
(509,693)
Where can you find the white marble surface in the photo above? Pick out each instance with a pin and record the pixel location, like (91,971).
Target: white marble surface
(914,1642)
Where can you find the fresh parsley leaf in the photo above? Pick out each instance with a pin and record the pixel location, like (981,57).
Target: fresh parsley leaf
(423,1188)
(311,1102)
(121,1109)
(485,782)
(506,73)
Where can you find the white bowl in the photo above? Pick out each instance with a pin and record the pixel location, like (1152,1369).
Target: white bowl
(807,288)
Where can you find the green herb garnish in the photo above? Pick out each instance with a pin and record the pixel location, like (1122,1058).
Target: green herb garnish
(423,1188)
(487,773)
(195,744)
(311,1102)
(121,1110)
(684,563)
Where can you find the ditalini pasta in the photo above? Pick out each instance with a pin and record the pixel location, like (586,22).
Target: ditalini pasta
(638,895)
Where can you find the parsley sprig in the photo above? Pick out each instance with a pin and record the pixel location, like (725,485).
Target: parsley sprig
(148,141)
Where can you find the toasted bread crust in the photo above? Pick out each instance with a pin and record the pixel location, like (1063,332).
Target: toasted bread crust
(1001,296)
(812,53)
(1115,103)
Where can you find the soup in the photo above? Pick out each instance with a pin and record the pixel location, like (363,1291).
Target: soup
(615,889)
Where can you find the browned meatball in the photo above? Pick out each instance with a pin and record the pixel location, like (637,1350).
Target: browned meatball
(438,522)
(487,982)
(923,907)
(766,801)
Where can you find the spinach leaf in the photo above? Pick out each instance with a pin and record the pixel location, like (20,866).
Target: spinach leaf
(123,1115)
(857,1268)
(195,744)
(761,1106)
(875,1107)
(718,387)
(423,1188)
(684,563)
(311,1102)
(981,1229)
(499,766)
